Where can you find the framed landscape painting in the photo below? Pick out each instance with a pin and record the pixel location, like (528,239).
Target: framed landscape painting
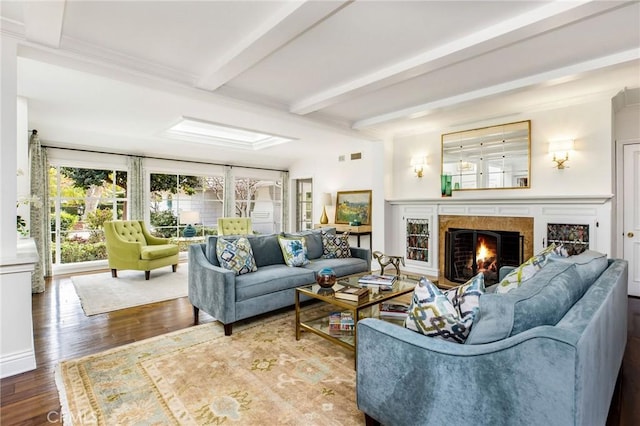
(353,206)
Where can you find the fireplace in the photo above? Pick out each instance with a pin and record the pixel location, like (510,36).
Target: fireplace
(471,251)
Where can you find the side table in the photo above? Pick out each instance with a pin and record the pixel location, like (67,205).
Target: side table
(352,230)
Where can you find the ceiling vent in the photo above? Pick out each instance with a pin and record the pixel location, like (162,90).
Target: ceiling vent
(356,156)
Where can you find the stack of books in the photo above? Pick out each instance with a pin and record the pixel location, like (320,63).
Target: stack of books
(383,282)
(341,323)
(396,308)
(355,294)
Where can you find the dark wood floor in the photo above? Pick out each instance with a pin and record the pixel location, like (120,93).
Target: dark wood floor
(62,331)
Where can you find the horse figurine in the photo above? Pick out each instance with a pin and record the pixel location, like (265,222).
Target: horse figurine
(385,260)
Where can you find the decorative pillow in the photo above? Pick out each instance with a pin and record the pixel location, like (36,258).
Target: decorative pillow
(466,297)
(528,269)
(236,255)
(313,240)
(335,246)
(294,251)
(437,314)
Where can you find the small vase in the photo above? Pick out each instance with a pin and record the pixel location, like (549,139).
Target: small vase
(326,278)
(445,185)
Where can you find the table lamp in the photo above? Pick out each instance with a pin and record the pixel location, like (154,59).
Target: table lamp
(190,218)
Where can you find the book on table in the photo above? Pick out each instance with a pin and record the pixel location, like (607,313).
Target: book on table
(341,323)
(397,307)
(384,282)
(354,294)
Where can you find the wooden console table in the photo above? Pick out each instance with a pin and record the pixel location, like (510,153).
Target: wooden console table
(352,230)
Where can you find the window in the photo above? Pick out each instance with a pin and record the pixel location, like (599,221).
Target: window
(260,199)
(173,194)
(304,204)
(80,201)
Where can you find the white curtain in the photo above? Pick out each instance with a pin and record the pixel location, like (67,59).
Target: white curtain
(136,189)
(39,216)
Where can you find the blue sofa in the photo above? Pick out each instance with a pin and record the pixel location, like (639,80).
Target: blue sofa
(546,353)
(229,298)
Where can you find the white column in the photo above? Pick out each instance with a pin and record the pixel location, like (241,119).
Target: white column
(8,146)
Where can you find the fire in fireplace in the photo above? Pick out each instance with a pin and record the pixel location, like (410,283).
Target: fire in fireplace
(470,251)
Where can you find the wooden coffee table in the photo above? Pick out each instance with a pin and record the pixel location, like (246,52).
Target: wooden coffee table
(317,320)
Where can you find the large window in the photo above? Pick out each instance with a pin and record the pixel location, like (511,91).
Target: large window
(80,201)
(261,200)
(177,201)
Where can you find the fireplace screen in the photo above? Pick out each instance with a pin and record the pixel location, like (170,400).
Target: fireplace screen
(469,252)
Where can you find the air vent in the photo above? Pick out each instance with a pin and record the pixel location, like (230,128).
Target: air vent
(356,156)
(341,158)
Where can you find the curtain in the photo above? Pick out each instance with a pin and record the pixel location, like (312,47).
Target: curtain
(136,189)
(39,215)
(229,192)
(285,201)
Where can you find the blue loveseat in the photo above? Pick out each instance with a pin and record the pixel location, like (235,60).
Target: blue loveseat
(546,353)
(230,298)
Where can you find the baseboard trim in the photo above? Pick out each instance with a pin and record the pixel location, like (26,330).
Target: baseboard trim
(16,363)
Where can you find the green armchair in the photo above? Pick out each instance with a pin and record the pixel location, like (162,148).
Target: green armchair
(130,246)
(234,226)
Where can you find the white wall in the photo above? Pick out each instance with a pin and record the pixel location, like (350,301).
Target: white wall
(331,175)
(589,166)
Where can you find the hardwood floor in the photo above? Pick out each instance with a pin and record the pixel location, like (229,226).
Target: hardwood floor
(62,331)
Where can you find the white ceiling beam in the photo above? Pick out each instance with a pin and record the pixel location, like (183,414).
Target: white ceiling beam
(549,78)
(518,28)
(43,21)
(293,19)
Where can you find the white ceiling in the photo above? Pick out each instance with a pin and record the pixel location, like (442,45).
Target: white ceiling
(115,75)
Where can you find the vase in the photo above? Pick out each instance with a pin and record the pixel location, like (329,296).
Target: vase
(326,278)
(445,185)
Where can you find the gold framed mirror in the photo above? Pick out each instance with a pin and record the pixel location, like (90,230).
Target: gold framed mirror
(494,157)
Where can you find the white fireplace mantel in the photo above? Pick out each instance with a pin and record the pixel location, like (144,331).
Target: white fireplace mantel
(478,199)
(592,210)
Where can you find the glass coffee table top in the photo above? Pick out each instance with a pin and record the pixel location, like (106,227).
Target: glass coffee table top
(336,319)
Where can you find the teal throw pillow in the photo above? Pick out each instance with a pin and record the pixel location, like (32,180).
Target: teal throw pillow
(236,255)
(294,251)
(445,315)
(528,269)
(335,246)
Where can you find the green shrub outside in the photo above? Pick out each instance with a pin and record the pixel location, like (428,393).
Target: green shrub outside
(95,222)
(164,224)
(81,251)
(67,222)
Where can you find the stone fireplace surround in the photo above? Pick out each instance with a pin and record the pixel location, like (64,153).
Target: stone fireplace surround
(522,225)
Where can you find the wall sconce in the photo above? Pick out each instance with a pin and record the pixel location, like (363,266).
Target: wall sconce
(418,164)
(325,199)
(560,151)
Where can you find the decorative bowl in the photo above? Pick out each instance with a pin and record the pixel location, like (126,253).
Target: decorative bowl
(326,278)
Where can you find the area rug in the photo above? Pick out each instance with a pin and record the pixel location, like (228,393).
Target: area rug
(100,293)
(258,376)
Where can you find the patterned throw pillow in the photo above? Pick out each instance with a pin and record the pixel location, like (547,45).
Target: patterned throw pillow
(294,251)
(236,255)
(449,315)
(335,246)
(466,297)
(528,269)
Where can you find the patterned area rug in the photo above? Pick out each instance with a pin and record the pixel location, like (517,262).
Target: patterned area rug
(197,376)
(100,293)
